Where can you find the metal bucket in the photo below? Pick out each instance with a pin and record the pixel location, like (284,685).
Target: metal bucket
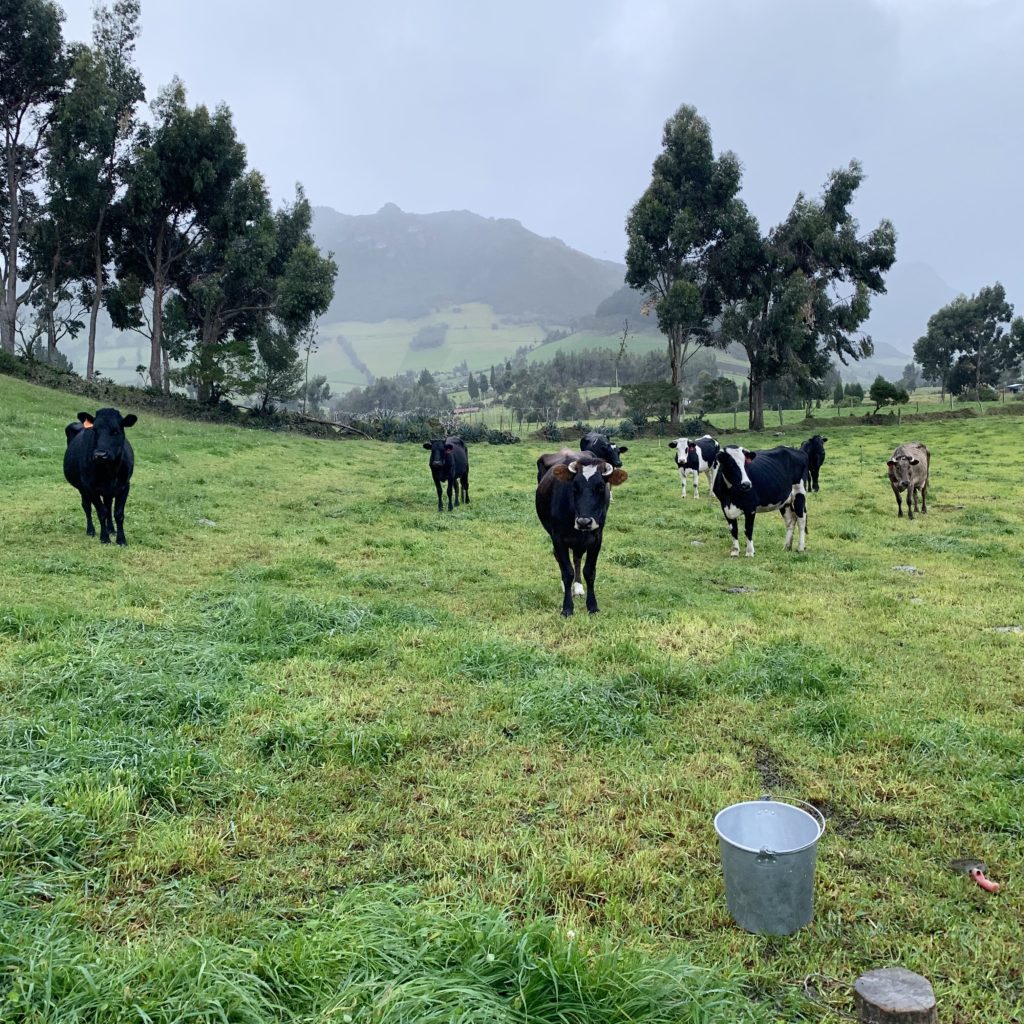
(768,851)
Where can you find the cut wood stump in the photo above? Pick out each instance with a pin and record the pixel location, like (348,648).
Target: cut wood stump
(893,995)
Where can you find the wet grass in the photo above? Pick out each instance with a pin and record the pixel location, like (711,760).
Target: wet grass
(307,750)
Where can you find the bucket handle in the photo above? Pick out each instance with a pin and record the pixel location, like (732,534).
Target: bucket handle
(815,813)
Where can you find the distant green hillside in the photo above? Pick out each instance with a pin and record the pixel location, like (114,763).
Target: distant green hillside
(407,265)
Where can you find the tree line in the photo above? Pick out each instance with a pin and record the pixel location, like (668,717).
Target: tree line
(152,213)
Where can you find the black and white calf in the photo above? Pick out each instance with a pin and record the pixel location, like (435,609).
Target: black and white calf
(695,457)
(814,449)
(750,482)
(572,505)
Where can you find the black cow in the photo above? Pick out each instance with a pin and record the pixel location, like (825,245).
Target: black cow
(814,449)
(449,463)
(602,447)
(572,503)
(750,482)
(99,462)
(695,457)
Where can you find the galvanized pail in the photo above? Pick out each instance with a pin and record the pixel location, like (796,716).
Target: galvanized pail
(768,851)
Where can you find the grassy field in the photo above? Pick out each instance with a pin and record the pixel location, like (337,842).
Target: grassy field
(307,750)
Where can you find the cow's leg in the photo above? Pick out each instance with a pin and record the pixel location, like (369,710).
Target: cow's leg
(748,529)
(577,585)
(590,574)
(450,494)
(899,502)
(120,500)
(924,499)
(733,525)
(90,530)
(815,475)
(696,484)
(682,476)
(790,517)
(103,512)
(800,512)
(565,565)
(465,488)
(910,501)
(437,484)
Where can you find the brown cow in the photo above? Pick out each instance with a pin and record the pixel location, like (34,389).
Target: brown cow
(908,471)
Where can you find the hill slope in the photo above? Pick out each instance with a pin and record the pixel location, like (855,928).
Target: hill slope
(398,265)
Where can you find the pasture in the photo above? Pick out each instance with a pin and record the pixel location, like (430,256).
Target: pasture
(309,750)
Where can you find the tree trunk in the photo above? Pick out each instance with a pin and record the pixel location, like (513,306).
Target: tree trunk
(51,321)
(756,421)
(167,371)
(9,298)
(156,342)
(675,351)
(94,312)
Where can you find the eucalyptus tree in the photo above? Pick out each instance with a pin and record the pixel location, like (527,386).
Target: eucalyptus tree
(256,271)
(91,144)
(33,70)
(807,290)
(971,341)
(178,178)
(689,239)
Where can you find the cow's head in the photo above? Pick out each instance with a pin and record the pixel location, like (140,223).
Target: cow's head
(686,452)
(815,446)
(589,480)
(602,447)
(108,427)
(901,470)
(732,462)
(440,452)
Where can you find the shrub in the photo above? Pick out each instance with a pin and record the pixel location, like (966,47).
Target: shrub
(627,429)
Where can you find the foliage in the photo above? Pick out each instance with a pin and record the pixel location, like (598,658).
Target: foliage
(685,237)
(971,341)
(720,393)
(793,318)
(883,392)
(649,398)
(910,378)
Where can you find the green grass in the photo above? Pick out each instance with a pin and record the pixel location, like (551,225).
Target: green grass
(338,756)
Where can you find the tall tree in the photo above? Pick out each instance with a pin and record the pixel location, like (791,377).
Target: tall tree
(971,341)
(180,175)
(808,290)
(687,238)
(33,69)
(90,145)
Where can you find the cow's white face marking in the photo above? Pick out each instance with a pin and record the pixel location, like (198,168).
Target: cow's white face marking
(736,454)
(589,471)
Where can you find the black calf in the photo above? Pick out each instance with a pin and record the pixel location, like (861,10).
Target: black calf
(449,463)
(814,449)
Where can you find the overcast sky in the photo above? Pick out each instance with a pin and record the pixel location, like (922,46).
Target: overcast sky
(550,111)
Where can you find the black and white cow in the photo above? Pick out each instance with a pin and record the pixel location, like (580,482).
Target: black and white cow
(98,463)
(814,449)
(449,463)
(695,457)
(750,482)
(572,504)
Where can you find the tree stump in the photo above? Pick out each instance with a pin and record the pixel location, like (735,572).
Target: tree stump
(893,995)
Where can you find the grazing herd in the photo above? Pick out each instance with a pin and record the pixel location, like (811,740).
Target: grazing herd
(574,488)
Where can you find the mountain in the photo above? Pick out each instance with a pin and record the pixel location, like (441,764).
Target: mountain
(398,265)
(913,292)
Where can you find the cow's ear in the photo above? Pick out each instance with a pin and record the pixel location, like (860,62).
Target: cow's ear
(749,456)
(672,444)
(891,463)
(562,472)
(824,439)
(623,450)
(618,476)
(86,417)
(427,445)
(449,447)
(130,420)
(915,462)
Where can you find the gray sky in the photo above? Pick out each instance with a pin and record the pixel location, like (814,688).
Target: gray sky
(550,111)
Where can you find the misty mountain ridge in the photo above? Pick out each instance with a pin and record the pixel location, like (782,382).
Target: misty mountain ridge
(399,265)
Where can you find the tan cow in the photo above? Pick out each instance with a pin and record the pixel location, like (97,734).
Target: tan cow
(908,471)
